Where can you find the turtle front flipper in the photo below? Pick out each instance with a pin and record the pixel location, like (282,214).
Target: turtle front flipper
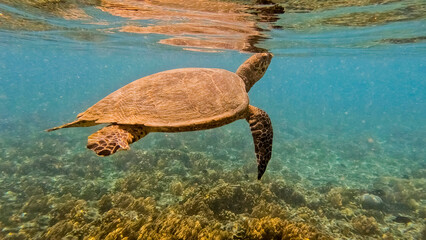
(261,129)
(112,138)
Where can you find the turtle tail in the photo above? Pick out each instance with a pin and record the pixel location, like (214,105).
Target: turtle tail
(112,138)
(76,123)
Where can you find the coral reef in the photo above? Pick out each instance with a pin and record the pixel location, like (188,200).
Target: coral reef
(403,194)
(365,225)
(288,194)
(178,187)
(157,200)
(275,228)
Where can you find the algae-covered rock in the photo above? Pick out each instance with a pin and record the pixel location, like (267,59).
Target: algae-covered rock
(271,209)
(276,228)
(334,197)
(175,226)
(339,197)
(121,216)
(402,194)
(16,236)
(59,230)
(61,207)
(288,194)
(126,202)
(176,188)
(231,198)
(370,201)
(36,205)
(365,225)
(105,203)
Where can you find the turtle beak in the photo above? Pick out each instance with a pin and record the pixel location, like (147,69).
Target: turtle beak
(269,57)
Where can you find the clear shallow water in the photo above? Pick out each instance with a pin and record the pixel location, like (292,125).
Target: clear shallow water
(347,108)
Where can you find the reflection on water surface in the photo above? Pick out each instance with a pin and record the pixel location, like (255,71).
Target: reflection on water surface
(206,25)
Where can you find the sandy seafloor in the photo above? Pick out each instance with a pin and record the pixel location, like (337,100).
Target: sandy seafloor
(349,158)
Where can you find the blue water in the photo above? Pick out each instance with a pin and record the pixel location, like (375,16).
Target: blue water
(348,113)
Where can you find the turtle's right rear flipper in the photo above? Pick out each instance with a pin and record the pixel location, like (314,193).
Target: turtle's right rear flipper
(76,123)
(112,138)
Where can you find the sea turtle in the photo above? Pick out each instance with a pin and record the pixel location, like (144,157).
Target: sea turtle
(178,100)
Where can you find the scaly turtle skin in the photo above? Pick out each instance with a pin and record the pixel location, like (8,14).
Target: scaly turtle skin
(187,99)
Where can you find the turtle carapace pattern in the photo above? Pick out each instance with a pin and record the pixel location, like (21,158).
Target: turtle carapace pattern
(178,100)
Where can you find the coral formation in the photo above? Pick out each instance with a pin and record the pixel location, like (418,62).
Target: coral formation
(201,186)
(335,198)
(275,228)
(160,201)
(365,225)
(190,195)
(402,193)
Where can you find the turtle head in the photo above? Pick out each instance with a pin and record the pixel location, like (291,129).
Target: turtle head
(254,68)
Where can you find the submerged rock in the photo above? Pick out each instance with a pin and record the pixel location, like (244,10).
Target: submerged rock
(370,201)
(288,194)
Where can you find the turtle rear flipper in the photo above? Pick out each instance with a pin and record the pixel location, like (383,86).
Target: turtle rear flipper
(112,138)
(261,129)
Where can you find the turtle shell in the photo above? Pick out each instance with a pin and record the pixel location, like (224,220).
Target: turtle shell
(180,98)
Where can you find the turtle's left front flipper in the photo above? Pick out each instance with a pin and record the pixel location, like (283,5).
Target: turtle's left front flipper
(261,129)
